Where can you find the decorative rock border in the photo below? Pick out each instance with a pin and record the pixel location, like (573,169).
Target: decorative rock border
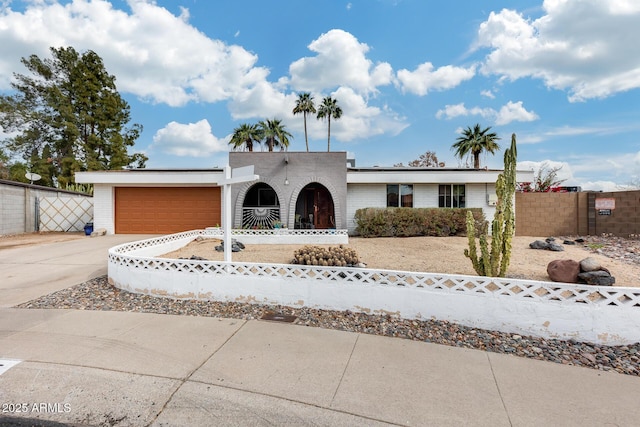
(601,315)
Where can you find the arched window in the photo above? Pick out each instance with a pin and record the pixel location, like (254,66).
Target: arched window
(261,207)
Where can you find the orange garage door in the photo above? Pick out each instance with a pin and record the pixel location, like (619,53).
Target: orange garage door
(151,210)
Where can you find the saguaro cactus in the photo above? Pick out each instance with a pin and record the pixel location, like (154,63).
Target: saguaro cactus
(494,262)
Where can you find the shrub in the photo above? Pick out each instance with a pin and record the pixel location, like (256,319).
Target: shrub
(407,222)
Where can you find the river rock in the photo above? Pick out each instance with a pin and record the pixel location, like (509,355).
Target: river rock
(597,278)
(553,246)
(549,245)
(236,246)
(99,232)
(564,270)
(590,264)
(539,244)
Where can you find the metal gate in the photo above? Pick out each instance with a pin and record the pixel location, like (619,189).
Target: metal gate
(65,213)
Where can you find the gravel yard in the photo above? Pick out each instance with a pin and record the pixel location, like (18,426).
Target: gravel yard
(446,255)
(621,256)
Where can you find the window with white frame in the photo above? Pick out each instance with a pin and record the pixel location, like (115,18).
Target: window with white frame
(451,196)
(399,195)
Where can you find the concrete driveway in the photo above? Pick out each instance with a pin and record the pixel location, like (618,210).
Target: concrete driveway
(32,270)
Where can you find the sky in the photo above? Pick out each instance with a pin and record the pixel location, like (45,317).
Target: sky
(409,75)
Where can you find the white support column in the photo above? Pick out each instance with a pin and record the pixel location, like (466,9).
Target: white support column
(227,215)
(239,175)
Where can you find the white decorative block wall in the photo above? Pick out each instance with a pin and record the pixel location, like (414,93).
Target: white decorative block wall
(603,315)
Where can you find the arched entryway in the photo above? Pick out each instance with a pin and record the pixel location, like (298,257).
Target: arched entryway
(314,207)
(261,207)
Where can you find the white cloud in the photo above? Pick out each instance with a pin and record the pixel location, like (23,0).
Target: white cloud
(425,78)
(156,55)
(261,101)
(359,120)
(587,47)
(571,131)
(161,58)
(457,110)
(488,94)
(340,61)
(564,173)
(192,139)
(584,170)
(512,111)
(606,186)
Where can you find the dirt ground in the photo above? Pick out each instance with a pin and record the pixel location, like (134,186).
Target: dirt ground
(425,254)
(29,239)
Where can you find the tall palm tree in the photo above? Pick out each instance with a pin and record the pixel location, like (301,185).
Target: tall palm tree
(329,108)
(304,105)
(475,141)
(244,136)
(274,134)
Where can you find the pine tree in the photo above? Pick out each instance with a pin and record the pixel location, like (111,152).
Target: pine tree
(69,104)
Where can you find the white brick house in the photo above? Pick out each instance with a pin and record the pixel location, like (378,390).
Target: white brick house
(425,188)
(163,201)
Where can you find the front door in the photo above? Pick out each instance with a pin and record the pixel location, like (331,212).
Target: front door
(314,208)
(324,217)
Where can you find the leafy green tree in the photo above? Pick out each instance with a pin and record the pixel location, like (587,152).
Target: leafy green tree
(4,165)
(274,134)
(475,141)
(304,105)
(69,103)
(329,109)
(245,135)
(426,160)
(18,171)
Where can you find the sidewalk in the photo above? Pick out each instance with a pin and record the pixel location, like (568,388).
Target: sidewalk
(119,368)
(141,369)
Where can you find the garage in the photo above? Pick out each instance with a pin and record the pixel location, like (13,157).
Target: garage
(165,210)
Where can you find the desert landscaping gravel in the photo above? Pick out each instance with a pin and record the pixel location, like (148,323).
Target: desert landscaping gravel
(97,294)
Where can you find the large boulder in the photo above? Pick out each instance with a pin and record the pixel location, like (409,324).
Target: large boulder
(564,270)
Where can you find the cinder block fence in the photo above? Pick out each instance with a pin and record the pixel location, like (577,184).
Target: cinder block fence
(584,213)
(20,210)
